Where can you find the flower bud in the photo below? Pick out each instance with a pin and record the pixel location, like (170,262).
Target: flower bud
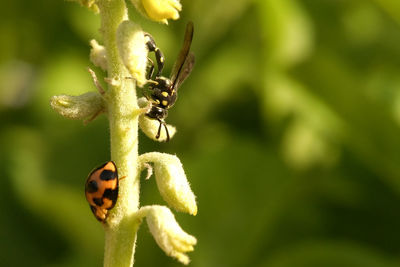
(168,234)
(80,107)
(98,55)
(133,50)
(171,181)
(159,10)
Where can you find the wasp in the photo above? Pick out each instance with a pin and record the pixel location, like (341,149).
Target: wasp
(163,91)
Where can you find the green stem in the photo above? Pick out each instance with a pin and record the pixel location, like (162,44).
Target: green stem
(121,225)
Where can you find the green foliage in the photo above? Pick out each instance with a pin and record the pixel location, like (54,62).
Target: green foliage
(288,129)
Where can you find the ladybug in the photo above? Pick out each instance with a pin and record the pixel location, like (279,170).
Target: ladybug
(101,189)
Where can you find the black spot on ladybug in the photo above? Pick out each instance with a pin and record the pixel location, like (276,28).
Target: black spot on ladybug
(93,208)
(111,194)
(98,201)
(107,175)
(92,187)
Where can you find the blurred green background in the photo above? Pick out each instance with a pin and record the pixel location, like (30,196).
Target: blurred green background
(288,129)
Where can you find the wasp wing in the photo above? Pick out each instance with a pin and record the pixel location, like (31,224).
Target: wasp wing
(183,74)
(183,54)
(185,71)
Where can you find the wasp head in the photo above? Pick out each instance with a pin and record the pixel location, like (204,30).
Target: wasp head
(157,113)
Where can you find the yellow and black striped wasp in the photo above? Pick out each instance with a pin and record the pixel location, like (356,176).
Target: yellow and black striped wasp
(163,91)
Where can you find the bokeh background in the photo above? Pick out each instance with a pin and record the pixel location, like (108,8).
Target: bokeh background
(288,129)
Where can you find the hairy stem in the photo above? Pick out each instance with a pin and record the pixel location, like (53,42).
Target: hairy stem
(121,225)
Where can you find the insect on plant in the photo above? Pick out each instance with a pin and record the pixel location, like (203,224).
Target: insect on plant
(115,204)
(163,91)
(101,189)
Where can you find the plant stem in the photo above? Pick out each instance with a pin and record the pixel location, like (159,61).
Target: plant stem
(121,225)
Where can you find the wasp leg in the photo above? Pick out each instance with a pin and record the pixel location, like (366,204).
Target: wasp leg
(162,123)
(166,130)
(151,70)
(151,45)
(159,129)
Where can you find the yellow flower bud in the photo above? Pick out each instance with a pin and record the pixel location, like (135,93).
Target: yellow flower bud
(159,10)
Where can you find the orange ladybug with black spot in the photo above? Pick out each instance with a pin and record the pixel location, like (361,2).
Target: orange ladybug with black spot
(101,189)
